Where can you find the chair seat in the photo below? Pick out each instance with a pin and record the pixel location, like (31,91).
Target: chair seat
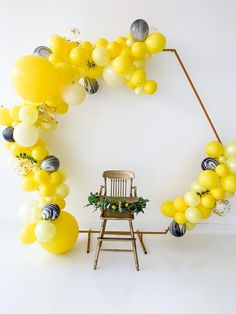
(129,199)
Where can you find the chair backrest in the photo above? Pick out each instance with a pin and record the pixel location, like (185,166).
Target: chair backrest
(118,183)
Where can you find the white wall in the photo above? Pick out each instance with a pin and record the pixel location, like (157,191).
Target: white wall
(168,129)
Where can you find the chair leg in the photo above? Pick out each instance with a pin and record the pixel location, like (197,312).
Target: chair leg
(99,243)
(134,246)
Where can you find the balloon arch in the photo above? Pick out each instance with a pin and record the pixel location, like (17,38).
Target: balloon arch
(60,75)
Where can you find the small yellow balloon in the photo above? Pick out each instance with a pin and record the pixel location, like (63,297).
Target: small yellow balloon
(189,226)
(208,179)
(150,87)
(155,43)
(58,45)
(207,201)
(14,113)
(229,183)
(42,177)
(206,212)
(167,209)
(62,107)
(87,46)
(114,49)
(67,233)
(193,214)
(179,204)
(218,193)
(222,170)
(16,149)
(65,73)
(121,40)
(56,178)
(100,42)
(180,218)
(39,153)
(122,65)
(78,56)
(46,190)
(27,235)
(192,199)
(35,78)
(138,49)
(138,77)
(5,117)
(29,184)
(214,149)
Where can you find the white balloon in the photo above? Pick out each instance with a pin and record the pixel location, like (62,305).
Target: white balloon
(73,94)
(28,114)
(111,78)
(231,163)
(45,231)
(26,135)
(101,56)
(26,211)
(230,149)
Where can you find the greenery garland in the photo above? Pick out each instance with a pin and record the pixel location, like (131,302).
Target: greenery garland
(116,206)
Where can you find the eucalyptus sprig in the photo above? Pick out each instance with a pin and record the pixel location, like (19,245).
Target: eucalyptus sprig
(97,201)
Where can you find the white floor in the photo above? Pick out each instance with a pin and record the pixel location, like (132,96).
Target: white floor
(195,274)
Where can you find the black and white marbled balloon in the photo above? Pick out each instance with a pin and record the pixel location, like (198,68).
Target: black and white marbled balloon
(50,212)
(177,230)
(8,134)
(209,163)
(91,85)
(139,30)
(42,51)
(50,163)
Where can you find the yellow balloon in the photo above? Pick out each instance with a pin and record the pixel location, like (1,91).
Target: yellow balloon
(16,149)
(207,201)
(179,204)
(193,214)
(46,190)
(129,84)
(101,56)
(14,113)
(155,43)
(28,114)
(150,87)
(100,42)
(78,56)
(222,170)
(35,78)
(27,235)
(59,201)
(218,193)
(122,65)
(192,199)
(87,46)
(138,49)
(208,179)
(229,183)
(29,184)
(65,73)
(196,187)
(66,235)
(114,48)
(39,153)
(58,45)
(214,149)
(206,212)
(126,52)
(42,177)
(167,209)
(62,107)
(138,77)
(56,178)
(45,231)
(63,190)
(121,40)
(180,218)
(5,117)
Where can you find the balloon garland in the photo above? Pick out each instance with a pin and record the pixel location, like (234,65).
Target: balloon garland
(209,194)
(50,80)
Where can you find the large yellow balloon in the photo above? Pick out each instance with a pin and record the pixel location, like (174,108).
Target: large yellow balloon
(27,235)
(122,65)
(229,183)
(66,236)
(34,78)
(155,43)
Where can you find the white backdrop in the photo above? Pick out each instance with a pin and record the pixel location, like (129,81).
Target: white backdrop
(161,137)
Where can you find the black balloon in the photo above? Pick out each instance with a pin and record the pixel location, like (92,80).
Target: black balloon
(177,230)
(50,212)
(209,164)
(8,134)
(91,85)
(42,51)
(50,163)
(139,30)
